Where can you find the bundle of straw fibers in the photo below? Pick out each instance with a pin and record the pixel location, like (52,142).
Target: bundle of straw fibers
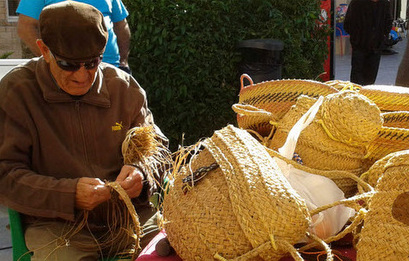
(385,234)
(244,209)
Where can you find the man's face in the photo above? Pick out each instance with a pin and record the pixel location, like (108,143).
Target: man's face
(72,82)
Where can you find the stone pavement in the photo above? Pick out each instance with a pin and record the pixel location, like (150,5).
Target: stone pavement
(386,75)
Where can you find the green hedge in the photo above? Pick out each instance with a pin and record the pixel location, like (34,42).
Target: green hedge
(184,54)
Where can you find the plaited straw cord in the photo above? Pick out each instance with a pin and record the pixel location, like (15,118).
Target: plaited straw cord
(327,249)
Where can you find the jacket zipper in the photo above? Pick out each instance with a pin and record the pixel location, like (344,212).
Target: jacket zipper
(77,108)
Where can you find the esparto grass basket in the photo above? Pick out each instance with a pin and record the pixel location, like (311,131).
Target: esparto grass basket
(241,208)
(275,97)
(338,137)
(385,233)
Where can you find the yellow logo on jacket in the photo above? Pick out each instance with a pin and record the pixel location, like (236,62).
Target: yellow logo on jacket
(117,126)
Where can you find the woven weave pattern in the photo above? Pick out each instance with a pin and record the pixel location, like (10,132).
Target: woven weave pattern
(387,97)
(243,210)
(385,235)
(396,119)
(389,140)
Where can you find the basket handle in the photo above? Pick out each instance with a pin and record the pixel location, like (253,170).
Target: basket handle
(250,110)
(245,75)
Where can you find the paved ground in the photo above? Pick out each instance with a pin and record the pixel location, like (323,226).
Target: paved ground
(386,75)
(387,69)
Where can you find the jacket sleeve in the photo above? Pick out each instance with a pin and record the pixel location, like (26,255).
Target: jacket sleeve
(21,188)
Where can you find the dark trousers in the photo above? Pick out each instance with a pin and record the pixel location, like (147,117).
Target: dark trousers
(365,65)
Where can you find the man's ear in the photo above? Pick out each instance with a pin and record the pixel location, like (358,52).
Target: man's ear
(44,50)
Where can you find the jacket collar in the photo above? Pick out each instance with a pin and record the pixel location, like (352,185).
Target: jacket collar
(98,94)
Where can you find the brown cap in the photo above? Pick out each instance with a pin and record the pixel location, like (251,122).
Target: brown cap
(73,31)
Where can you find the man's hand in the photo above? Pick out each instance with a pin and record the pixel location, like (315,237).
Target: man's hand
(90,193)
(131,180)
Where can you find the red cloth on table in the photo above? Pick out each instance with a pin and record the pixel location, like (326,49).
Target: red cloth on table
(342,248)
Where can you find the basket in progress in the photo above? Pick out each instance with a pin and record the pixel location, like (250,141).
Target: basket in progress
(243,209)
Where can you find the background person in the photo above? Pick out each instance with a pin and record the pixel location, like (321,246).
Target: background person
(368,22)
(63,118)
(114,11)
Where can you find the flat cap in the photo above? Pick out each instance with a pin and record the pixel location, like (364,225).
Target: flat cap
(73,31)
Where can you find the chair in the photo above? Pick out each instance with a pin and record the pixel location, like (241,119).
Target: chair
(20,251)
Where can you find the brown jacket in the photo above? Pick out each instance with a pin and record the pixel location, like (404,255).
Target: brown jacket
(48,139)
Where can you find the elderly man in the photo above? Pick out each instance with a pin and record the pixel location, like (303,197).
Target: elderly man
(114,11)
(63,118)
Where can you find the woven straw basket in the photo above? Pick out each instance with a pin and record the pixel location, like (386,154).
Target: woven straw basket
(275,97)
(243,210)
(385,234)
(337,138)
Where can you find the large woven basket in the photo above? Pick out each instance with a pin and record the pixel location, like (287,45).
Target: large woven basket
(275,97)
(337,139)
(385,234)
(244,209)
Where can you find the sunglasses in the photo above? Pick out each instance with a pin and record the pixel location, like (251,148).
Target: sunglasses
(73,66)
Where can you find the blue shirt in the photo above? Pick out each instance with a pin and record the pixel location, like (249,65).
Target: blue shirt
(113,11)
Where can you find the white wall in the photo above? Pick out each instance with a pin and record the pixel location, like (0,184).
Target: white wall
(7,64)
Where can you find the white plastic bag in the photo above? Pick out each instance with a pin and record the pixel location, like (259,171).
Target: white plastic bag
(316,190)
